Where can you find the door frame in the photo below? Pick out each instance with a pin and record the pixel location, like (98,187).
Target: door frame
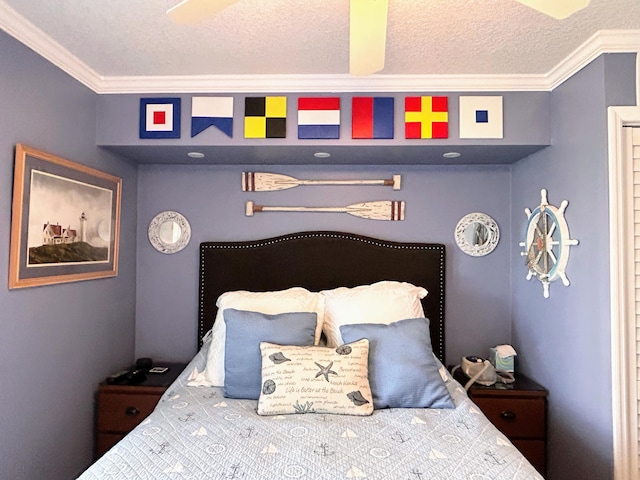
(624,393)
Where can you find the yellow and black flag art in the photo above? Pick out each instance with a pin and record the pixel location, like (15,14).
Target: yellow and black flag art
(265,117)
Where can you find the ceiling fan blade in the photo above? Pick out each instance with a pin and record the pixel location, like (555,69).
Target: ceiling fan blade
(555,8)
(368,36)
(189,12)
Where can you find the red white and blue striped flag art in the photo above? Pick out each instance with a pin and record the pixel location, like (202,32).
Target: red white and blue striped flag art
(318,117)
(160,118)
(481,117)
(372,117)
(212,112)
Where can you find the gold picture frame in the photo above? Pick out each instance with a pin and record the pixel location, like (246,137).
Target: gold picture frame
(65,223)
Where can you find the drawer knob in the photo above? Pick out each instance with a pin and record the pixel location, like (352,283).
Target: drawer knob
(507,415)
(131,411)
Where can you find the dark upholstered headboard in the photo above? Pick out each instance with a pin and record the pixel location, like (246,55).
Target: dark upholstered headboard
(321,261)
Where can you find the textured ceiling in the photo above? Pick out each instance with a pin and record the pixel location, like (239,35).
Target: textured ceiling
(287,37)
(131,46)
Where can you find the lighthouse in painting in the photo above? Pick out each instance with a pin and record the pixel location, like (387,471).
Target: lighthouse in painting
(83,230)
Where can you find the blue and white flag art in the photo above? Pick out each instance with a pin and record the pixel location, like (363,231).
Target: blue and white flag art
(481,117)
(159,118)
(212,111)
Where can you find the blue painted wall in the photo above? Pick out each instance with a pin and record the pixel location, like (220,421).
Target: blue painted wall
(56,342)
(564,341)
(478,289)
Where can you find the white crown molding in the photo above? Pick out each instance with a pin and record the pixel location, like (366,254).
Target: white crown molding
(604,41)
(28,34)
(319,83)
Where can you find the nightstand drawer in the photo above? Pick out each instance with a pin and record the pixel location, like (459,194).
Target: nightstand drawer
(516,418)
(120,412)
(534,450)
(121,407)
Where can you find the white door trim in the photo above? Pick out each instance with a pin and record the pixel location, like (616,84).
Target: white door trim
(622,294)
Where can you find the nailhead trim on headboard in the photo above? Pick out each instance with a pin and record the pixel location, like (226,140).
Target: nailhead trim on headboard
(245,245)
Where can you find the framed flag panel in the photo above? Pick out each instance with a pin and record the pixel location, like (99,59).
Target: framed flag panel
(265,117)
(426,117)
(318,117)
(372,117)
(212,112)
(160,118)
(481,117)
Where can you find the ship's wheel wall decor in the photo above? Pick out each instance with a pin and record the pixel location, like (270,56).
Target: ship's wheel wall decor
(547,243)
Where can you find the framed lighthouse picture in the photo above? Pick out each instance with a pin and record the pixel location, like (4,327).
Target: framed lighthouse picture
(65,222)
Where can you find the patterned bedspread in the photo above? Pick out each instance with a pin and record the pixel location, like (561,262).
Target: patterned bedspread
(196,433)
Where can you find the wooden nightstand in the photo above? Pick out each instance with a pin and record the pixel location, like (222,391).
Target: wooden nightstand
(519,410)
(121,407)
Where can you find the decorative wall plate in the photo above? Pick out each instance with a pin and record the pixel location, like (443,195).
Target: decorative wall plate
(547,243)
(169,232)
(477,234)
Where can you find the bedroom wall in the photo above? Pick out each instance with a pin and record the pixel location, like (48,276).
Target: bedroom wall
(564,341)
(56,342)
(478,289)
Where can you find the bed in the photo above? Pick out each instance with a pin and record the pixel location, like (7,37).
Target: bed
(368,316)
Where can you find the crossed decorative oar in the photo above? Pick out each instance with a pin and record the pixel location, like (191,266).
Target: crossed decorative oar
(378,210)
(270,182)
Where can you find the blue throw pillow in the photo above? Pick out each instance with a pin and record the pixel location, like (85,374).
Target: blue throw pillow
(403,372)
(245,331)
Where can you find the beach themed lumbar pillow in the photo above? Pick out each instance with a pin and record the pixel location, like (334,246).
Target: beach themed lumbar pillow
(315,379)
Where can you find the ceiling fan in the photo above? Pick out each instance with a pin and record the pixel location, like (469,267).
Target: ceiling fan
(367,24)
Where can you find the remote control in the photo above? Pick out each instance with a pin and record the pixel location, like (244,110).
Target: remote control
(136,376)
(117,377)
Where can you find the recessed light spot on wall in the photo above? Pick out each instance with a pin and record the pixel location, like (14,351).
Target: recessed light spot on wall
(451,154)
(322,155)
(195,155)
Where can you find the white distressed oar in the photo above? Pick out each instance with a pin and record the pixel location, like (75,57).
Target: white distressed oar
(269,182)
(378,210)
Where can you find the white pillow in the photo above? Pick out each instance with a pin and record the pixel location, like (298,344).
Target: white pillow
(296,299)
(382,302)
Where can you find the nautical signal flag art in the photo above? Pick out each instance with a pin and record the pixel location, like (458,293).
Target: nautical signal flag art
(372,117)
(481,117)
(318,117)
(212,112)
(159,118)
(426,117)
(265,117)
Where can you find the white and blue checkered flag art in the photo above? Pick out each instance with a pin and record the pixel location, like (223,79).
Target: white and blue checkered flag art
(481,117)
